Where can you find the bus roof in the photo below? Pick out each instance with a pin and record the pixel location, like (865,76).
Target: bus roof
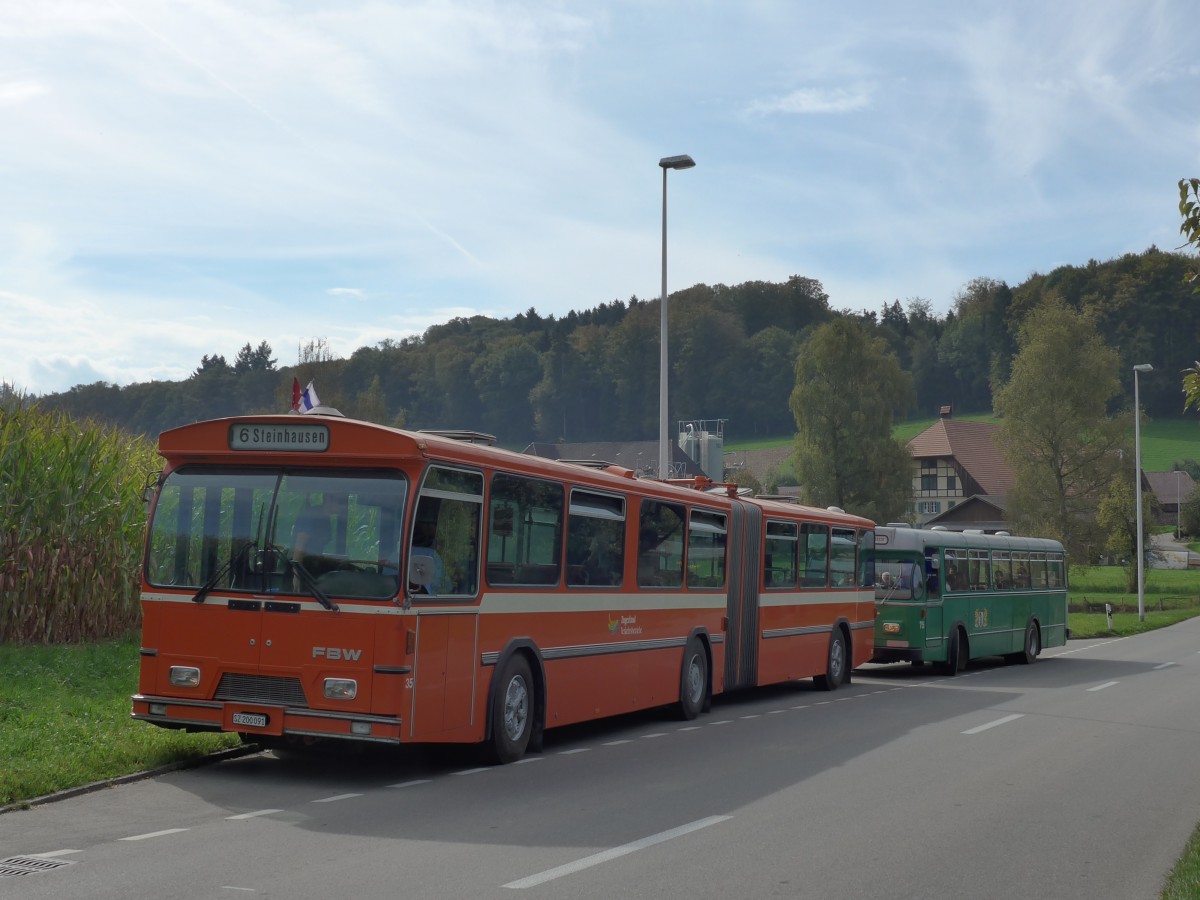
(893,537)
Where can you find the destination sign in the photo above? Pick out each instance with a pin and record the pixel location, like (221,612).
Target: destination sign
(307,438)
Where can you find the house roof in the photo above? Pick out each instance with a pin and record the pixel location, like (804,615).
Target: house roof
(985,512)
(973,445)
(1170,487)
(640,456)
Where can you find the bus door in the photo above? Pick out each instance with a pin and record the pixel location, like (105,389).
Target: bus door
(443,560)
(443,695)
(932,595)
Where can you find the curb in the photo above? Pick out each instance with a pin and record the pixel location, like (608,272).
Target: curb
(92,787)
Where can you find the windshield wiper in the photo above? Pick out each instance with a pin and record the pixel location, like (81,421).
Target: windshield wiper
(222,571)
(311,583)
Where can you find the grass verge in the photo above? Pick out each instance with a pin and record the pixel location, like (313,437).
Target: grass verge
(64,720)
(1169,596)
(1184,881)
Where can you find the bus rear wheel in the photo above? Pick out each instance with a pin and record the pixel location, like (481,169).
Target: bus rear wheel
(836,668)
(512,711)
(693,680)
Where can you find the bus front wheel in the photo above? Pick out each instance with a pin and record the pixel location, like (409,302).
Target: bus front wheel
(956,655)
(512,711)
(836,670)
(1033,644)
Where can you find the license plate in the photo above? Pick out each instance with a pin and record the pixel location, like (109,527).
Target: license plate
(254,720)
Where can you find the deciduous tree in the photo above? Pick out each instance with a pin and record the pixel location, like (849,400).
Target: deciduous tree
(848,390)
(1057,434)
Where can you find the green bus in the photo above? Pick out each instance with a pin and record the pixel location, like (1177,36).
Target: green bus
(949,596)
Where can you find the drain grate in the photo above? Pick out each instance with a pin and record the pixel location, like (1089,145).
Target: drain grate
(29,865)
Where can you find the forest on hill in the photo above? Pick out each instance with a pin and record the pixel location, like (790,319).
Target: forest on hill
(593,375)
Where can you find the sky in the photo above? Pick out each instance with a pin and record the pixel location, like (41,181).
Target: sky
(179,179)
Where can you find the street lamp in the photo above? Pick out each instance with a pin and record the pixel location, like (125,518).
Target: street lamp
(664,457)
(1137,475)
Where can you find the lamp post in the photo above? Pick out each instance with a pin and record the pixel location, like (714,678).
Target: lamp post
(1137,476)
(664,452)
(1178,506)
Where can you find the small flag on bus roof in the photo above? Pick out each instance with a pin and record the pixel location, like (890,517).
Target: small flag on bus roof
(295,395)
(309,399)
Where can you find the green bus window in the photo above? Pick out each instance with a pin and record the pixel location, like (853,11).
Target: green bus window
(1002,570)
(956,571)
(980,570)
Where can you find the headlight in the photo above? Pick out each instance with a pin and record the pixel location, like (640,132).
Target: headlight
(185,676)
(341,688)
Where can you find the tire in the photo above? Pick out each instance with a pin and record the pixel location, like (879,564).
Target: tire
(512,711)
(837,669)
(693,680)
(1033,644)
(956,655)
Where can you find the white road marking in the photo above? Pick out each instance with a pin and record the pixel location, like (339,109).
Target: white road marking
(690,728)
(414,783)
(1101,687)
(617,743)
(336,798)
(253,815)
(752,716)
(474,771)
(776,712)
(528,759)
(52,854)
(722,722)
(1003,721)
(596,859)
(655,734)
(573,752)
(1165,665)
(230,887)
(153,834)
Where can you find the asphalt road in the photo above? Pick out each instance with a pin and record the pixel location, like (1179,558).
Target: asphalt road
(1070,778)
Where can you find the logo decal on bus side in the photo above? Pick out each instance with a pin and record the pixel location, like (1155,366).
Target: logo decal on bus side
(624,625)
(336,653)
(981,618)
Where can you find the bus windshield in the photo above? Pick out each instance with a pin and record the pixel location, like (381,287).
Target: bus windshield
(278,531)
(895,580)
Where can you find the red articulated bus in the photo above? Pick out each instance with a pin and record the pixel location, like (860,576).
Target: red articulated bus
(311,577)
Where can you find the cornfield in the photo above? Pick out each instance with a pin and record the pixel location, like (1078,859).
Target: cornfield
(72,523)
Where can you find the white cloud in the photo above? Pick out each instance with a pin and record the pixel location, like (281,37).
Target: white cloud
(815,101)
(19,91)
